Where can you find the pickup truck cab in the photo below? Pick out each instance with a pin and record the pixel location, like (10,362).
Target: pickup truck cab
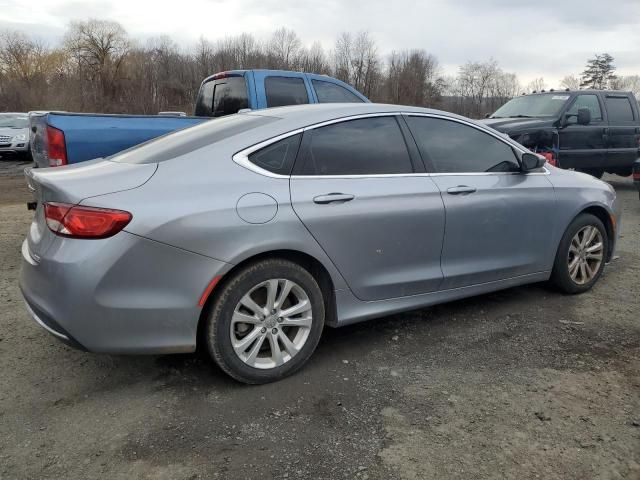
(62,138)
(594,131)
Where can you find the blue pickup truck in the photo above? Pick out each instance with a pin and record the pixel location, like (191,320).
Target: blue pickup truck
(61,138)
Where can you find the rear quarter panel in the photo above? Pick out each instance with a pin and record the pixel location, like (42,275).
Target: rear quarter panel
(192,201)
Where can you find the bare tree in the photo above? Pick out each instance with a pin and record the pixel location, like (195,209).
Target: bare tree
(283,48)
(571,82)
(99,47)
(536,85)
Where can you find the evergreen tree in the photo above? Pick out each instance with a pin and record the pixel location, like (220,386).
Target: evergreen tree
(598,73)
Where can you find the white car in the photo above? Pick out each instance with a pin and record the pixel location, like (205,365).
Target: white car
(14,134)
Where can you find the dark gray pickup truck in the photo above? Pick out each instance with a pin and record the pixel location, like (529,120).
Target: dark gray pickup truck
(594,131)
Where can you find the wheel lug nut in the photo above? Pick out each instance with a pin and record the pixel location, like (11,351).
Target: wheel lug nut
(274,331)
(263,330)
(280,320)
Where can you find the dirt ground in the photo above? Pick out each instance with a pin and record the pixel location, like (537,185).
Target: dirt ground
(524,383)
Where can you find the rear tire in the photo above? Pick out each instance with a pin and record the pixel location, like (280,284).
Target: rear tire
(581,256)
(252,332)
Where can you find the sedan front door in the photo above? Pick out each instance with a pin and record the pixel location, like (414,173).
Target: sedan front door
(355,190)
(498,220)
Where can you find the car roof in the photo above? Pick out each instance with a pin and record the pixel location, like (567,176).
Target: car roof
(310,114)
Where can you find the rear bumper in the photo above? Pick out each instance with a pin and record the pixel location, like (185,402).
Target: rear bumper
(123,295)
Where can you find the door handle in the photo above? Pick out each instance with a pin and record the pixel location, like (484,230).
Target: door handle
(333,198)
(461,190)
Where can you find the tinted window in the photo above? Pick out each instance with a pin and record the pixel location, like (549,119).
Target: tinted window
(283,91)
(454,147)
(368,146)
(331,93)
(619,109)
(586,101)
(537,105)
(222,97)
(278,157)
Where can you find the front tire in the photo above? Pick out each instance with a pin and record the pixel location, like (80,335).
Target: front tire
(265,321)
(581,255)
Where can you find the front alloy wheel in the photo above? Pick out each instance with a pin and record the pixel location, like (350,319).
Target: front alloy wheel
(581,255)
(586,253)
(265,321)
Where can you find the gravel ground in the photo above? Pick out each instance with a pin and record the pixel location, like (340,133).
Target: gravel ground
(524,383)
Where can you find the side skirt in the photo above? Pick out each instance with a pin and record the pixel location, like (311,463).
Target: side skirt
(351,310)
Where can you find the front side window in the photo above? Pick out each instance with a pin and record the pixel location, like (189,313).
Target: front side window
(283,91)
(585,101)
(619,109)
(328,92)
(279,156)
(367,146)
(453,147)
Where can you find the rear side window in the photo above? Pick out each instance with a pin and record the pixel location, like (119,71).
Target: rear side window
(278,157)
(585,101)
(328,92)
(221,97)
(368,146)
(453,147)
(619,109)
(283,91)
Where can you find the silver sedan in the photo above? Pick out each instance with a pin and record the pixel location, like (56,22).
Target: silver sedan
(249,234)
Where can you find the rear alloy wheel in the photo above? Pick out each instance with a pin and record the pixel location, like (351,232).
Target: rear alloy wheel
(581,255)
(266,321)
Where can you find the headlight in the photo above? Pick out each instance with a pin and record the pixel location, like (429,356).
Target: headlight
(20,138)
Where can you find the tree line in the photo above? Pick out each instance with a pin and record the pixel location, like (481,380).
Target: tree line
(98,67)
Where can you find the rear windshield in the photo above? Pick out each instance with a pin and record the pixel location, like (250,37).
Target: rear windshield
(184,141)
(14,121)
(221,97)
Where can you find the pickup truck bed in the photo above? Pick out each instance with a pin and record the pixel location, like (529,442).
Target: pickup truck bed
(114,132)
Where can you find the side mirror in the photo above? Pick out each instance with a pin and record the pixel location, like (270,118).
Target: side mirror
(531,161)
(584,116)
(487,115)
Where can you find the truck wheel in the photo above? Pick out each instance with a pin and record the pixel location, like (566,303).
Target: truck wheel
(266,321)
(581,255)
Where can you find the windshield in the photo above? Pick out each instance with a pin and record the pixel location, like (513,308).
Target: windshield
(14,121)
(542,105)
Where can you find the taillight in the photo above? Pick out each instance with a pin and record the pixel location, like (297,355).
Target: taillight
(56,147)
(551,159)
(77,221)
(636,174)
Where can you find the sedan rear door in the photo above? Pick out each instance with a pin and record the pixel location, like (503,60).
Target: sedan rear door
(356,190)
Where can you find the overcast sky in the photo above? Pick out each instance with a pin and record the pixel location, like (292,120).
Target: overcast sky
(533,38)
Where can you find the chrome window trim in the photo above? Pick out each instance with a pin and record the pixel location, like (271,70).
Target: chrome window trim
(242,157)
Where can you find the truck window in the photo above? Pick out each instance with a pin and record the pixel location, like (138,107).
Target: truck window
(328,92)
(221,97)
(619,109)
(283,91)
(586,101)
